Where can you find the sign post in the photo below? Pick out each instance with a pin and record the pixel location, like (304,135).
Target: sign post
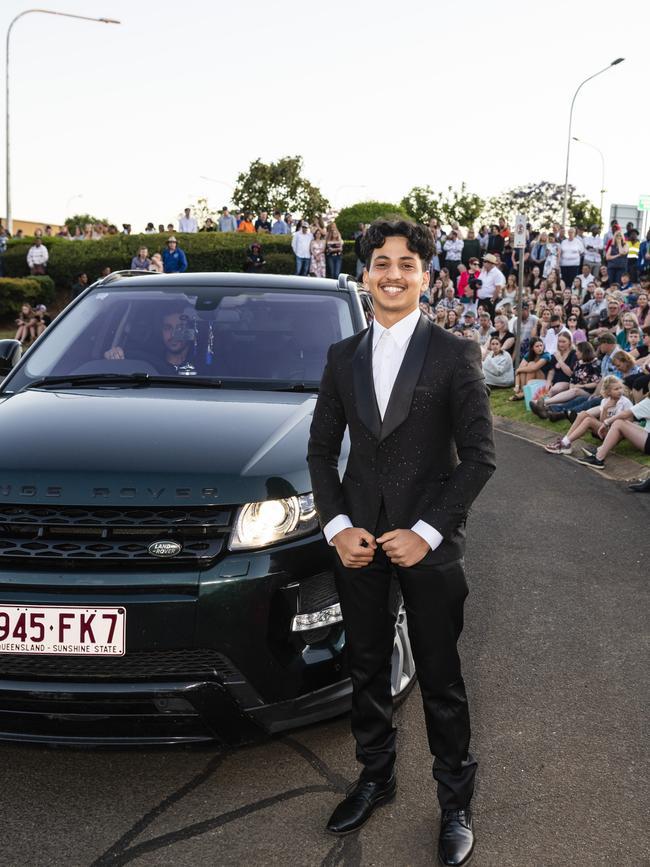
(519,244)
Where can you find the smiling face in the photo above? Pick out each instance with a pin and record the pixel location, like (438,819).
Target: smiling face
(396,279)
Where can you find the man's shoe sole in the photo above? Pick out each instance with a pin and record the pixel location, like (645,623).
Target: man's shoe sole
(590,465)
(385,799)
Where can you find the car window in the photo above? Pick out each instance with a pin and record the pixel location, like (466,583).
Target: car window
(216,332)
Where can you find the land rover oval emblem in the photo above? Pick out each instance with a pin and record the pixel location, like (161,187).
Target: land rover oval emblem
(164,549)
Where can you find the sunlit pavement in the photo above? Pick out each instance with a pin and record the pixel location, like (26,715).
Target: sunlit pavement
(555,654)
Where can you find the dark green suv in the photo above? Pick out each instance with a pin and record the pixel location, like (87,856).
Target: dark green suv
(163,577)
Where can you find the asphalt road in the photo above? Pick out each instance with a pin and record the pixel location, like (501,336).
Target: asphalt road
(555,659)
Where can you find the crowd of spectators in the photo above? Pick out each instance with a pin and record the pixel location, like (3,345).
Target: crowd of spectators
(585,322)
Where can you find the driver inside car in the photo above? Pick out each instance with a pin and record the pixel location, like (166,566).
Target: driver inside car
(177,335)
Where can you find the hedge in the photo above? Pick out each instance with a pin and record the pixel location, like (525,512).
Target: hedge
(206,251)
(14,292)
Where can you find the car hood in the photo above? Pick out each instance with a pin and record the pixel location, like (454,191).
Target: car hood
(162,446)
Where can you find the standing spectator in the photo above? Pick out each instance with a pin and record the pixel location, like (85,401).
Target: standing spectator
(453,248)
(80,283)
(279,226)
(593,245)
(483,238)
(48,231)
(528,325)
(3,249)
(187,223)
(571,249)
(170,228)
(317,253)
(616,258)
(227,223)
(288,219)
(301,246)
(496,241)
(126,228)
(333,250)
(64,232)
(161,228)
(37,257)
(254,259)
(246,224)
(209,226)
(174,259)
(492,280)
(150,229)
(141,262)
(552,260)
(538,251)
(263,224)
(471,249)
(633,250)
(644,256)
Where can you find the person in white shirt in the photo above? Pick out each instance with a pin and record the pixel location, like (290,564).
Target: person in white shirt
(630,425)
(37,257)
(586,279)
(571,250)
(497,366)
(188,223)
(552,332)
(593,245)
(597,419)
(492,280)
(453,248)
(301,246)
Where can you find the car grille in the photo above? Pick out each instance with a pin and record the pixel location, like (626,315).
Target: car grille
(68,537)
(135,665)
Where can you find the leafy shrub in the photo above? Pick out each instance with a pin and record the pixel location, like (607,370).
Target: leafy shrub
(365,212)
(16,291)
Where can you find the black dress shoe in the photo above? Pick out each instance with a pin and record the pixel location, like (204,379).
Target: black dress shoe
(555,415)
(641,487)
(572,415)
(359,804)
(456,842)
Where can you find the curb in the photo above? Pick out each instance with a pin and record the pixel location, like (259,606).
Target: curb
(618,469)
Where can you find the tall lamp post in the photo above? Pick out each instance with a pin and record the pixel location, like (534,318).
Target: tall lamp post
(602,173)
(568,145)
(9,29)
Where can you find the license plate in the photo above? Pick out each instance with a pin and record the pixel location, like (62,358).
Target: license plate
(68,630)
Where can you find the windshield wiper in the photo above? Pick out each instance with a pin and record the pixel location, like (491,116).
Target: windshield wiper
(298,386)
(139,379)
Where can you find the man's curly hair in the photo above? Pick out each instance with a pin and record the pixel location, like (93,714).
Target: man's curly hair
(418,238)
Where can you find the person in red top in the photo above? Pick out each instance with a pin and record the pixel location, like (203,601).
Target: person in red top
(504,231)
(246,225)
(473,270)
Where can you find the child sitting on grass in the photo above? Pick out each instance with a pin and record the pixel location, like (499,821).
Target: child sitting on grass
(598,419)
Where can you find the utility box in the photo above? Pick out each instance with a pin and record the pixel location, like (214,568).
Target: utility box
(624,214)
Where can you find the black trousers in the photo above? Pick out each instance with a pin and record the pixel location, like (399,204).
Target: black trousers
(434,595)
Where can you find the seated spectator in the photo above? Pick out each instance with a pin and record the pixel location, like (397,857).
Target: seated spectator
(629,425)
(43,319)
(578,335)
(37,257)
(453,321)
(468,299)
(468,319)
(552,332)
(585,279)
(608,320)
(628,322)
(597,419)
(642,309)
(636,344)
(440,317)
(449,298)
(533,367)
(503,334)
(583,382)
(625,365)
(562,364)
(254,263)
(27,323)
(497,365)
(425,307)
(485,327)
(141,262)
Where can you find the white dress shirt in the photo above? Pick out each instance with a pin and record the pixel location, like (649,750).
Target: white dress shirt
(187,224)
(389,347)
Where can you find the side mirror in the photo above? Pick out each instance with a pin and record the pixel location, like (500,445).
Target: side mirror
(10,352)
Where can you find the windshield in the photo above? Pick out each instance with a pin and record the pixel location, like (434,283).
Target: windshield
(232,335)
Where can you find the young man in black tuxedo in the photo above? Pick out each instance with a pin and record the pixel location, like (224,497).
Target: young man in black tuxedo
(414,399)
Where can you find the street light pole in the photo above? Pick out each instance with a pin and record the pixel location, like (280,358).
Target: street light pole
(568,145)
(602,174)
(9,217)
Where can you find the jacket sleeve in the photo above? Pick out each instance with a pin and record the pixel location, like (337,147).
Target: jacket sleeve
(183,258)
(325,437)
(472,432)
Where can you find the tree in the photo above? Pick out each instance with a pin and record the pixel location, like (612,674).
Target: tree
(541,204)
(349,218)
(451,206)
(278,186)
(82,220)
(202,210)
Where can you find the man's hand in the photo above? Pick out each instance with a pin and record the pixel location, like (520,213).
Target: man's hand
(115,354)
(355,547)
(403,547)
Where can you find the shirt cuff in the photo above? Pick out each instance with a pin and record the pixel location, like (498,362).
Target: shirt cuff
(341,522)
(430,535)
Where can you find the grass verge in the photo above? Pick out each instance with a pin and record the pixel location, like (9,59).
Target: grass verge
(501,406)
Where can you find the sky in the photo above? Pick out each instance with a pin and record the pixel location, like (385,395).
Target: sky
(124,122)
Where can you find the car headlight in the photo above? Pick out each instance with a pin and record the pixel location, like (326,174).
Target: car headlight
(260,524)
